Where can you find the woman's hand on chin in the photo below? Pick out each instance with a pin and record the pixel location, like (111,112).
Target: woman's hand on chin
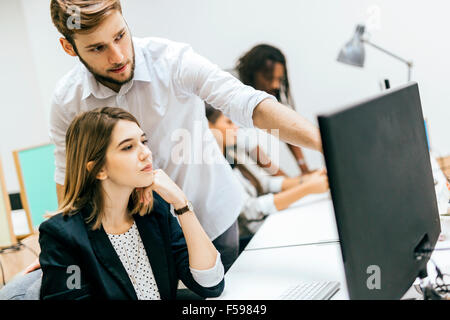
(166,188)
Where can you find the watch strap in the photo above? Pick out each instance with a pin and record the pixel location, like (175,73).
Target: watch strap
(187,207)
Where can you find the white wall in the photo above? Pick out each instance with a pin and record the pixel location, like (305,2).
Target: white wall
(23,121)
(309,32)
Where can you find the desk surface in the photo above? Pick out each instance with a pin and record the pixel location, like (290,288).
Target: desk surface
(309,220)
(265,274)
(297,245)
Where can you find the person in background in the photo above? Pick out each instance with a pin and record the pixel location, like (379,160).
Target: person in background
(264,68)
(114,229)
(264,194)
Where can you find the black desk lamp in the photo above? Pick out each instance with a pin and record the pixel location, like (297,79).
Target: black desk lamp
(353,52)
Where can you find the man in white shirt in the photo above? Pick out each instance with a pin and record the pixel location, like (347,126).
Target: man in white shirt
(164,85)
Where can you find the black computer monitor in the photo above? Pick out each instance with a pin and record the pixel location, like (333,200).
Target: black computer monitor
(383,193)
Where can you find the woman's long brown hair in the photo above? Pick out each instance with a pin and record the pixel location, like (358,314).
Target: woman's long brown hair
(87,139)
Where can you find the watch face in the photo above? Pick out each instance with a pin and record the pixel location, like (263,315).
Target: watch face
(191,208)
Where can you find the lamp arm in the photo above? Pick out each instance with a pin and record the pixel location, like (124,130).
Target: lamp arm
(408,63)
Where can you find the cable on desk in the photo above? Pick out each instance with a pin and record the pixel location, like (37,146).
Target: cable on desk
(15,247)
(437,290)
(441,287)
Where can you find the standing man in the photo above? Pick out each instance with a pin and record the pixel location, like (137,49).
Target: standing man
(264,68)
(164,85)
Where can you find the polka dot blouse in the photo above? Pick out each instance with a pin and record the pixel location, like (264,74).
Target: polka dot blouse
(130,249)
(132,254)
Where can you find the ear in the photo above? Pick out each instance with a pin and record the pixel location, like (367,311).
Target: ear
(101,175)
(67,46)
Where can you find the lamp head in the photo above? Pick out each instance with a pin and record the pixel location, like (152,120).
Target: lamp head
(353,52)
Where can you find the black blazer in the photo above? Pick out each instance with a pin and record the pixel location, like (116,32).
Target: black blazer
(68,240)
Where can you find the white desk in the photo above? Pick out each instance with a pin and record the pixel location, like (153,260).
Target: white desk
(265,274)
(309,199)
(282,253)
(309,220)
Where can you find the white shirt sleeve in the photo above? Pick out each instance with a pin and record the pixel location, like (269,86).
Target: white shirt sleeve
(255,208)
(275,184)
(197,75)
(210,277)
(59,123)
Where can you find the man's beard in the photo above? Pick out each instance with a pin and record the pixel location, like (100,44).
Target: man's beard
(103,79)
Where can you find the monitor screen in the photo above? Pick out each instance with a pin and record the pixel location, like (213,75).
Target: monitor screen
(383,192)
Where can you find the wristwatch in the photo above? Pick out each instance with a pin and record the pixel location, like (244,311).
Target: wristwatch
(186,208)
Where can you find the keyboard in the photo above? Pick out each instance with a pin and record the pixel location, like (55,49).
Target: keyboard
(317,290)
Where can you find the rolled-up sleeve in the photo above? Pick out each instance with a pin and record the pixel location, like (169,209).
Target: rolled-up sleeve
(209,277)
(256,208)
(197,75)
(275,184)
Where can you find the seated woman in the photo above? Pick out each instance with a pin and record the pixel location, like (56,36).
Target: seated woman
(265,194)
(114,236)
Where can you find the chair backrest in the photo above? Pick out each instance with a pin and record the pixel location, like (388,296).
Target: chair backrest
(35,170)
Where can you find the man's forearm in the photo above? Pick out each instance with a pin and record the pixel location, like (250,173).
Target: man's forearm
(293,128)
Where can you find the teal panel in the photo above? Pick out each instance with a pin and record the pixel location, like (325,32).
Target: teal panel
(38,170)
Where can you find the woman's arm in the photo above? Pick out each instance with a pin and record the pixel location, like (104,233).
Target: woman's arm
(289,183)
(299,158)
(197,260)
(316,184)
(191,278)
(202,253)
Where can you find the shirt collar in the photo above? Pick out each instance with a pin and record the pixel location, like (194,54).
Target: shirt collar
(92,86)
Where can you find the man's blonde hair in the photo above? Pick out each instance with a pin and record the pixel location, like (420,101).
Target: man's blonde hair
(80,16)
